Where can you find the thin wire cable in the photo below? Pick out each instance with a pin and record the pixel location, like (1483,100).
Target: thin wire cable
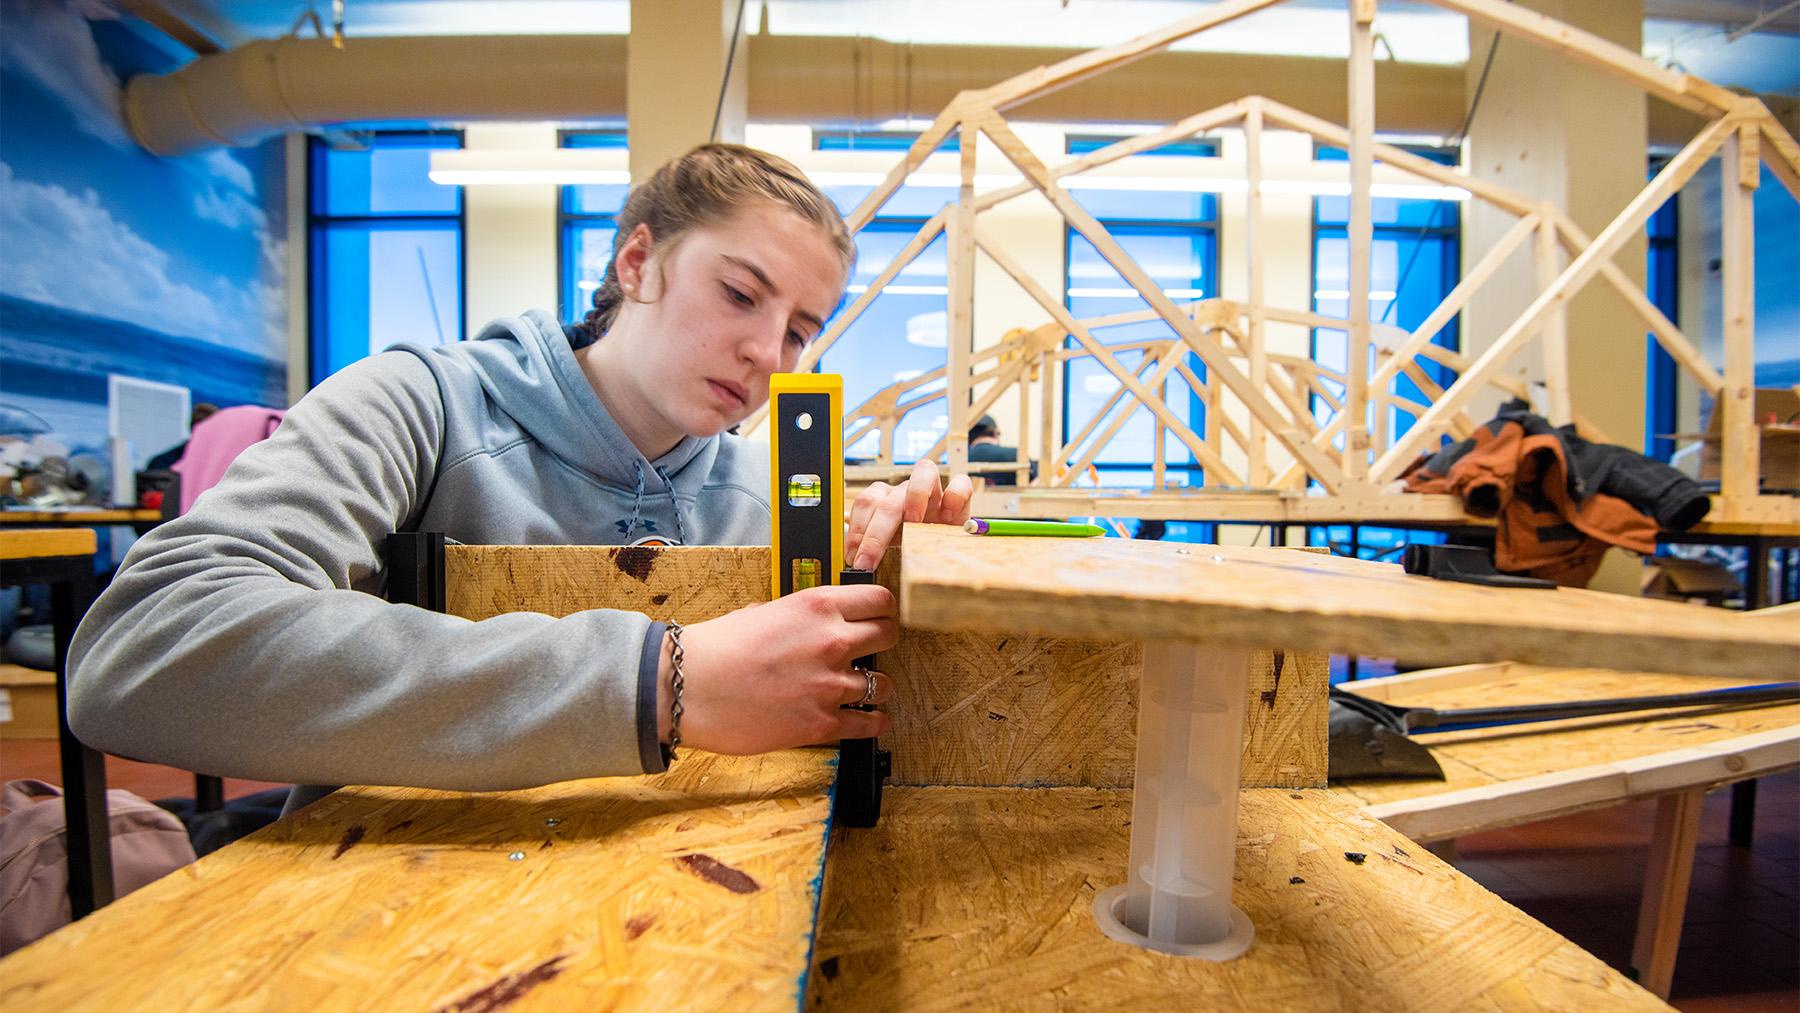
(1462,134)
(737,31)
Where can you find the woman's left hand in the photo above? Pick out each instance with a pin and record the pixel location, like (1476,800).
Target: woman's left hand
(879,510)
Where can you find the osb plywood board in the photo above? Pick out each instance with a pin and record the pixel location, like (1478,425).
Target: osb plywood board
(975,709)
(1259,597)
(691,889)
(1516,773)
(968,708)
(981,898)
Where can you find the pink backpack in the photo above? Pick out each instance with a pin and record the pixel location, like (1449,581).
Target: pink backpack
(147,843)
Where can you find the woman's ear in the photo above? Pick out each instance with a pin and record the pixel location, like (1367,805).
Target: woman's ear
(632,262)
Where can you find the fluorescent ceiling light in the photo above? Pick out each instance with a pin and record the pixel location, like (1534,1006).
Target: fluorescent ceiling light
(607,166)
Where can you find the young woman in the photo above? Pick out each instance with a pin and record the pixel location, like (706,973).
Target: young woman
(247,638)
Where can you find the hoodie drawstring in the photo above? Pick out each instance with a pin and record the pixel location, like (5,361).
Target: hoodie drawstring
(674,504)
(637,503)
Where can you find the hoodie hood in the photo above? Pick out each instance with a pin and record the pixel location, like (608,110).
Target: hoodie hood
(527,369)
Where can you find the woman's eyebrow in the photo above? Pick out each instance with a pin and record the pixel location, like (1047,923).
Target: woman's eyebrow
(763,277)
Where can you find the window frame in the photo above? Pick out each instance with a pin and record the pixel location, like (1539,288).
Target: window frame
(319,223)
(567,221)
(1192,469)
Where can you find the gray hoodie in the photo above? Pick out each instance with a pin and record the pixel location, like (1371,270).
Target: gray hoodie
(248,637)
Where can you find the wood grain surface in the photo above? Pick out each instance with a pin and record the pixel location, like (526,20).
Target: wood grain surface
(39,543)
(690,889)
(980,709)
(981,898)
(1257,597)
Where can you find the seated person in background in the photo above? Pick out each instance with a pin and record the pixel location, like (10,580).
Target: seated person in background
(985,447)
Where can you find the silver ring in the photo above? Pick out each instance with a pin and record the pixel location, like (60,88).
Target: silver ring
(868,697)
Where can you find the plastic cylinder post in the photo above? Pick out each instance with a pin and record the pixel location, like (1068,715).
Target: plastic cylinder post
(1177,896)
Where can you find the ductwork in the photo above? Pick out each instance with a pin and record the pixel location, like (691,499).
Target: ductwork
(256,91)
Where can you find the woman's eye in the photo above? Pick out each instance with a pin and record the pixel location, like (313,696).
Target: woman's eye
(797,338)
(739,297)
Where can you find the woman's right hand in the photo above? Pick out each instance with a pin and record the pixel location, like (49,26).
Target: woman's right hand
(777,675)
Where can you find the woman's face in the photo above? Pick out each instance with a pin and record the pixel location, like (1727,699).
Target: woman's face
(729,305)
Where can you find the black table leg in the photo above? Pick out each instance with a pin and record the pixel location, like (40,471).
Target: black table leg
(83,769)
(1743,814)
(209,793)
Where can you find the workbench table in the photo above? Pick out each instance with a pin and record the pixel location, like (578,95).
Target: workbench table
(1502,776)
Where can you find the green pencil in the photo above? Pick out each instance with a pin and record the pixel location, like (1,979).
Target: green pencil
(1053,529)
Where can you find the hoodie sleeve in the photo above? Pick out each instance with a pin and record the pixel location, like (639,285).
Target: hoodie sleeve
(234,640)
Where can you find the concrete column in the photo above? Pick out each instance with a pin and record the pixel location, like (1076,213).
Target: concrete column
(1554,128)
(675,61)
(510,232)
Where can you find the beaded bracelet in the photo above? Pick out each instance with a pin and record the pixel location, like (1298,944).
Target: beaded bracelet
(675,685)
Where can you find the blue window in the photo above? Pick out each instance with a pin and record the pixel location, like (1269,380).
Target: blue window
(905,332)
(1661,285)
(875,140)
(1173,236)
(586,221)
(1192,147)
(1417,253)
(386,248)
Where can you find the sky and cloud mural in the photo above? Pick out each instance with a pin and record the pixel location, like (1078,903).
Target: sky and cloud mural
(116,261)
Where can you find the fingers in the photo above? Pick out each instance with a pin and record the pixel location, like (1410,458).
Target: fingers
(856,601)
(855,724)
(856,688)
(861,510)
(923,494)
(883,526)
(957,494)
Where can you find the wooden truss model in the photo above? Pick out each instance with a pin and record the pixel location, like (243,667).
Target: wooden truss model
(1272,392)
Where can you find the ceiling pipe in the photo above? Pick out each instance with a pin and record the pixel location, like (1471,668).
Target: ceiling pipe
(253,92)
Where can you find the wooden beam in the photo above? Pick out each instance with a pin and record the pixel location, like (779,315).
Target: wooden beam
(1041,81)
(961,299)
(1493,193)
(1553,340)
(1257,450)
(40,543)
(1203,453)
(1218,116)
(1740,450)
(1666,333)
(927,142)
(1666,880)
(1236,597)
(1670,86)
(1165,364)
(1628,223)
(1217,363)
(1063,453)
(1780,153)
(1361,236)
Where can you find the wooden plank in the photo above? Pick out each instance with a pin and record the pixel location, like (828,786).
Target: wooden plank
(1553,339)
(1041,81)
(1249,597)
(1740,452)
(1667,334)
(1219,116)
(960,305)
(694,888)
(968,709)
(1257,447)
(1515,774)
(1360,233)
(1665,889)
(976,897)
(1608,56)
(40,543)
(1629,221)
(1780,153)
(80,516)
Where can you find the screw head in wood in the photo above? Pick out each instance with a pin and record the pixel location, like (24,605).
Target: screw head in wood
(517,856)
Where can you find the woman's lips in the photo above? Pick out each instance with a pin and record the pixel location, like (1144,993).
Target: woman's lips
(732,397)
